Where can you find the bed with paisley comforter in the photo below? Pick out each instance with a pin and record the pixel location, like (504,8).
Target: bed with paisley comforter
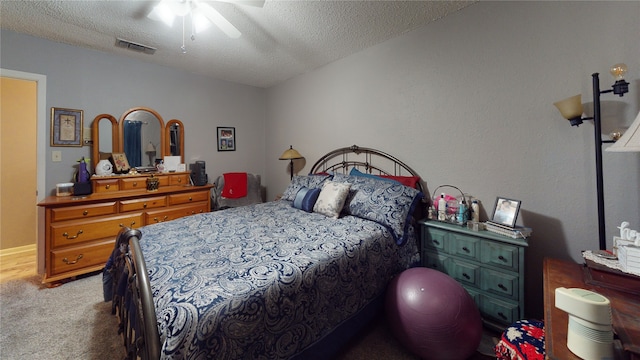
(266,281)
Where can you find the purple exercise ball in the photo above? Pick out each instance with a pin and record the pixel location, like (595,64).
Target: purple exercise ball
(432,315)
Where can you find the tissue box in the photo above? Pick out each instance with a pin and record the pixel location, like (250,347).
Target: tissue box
(64,189)
(629,258)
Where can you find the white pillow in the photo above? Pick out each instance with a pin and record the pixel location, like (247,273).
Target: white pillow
(331,199)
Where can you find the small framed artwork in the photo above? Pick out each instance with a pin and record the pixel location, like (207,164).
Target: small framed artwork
(226,139)
(505,211)
(66,127)
(120,162)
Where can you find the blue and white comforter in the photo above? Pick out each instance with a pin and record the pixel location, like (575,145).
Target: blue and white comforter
(263,281)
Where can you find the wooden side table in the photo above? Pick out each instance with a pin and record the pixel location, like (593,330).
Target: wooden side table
(625,312)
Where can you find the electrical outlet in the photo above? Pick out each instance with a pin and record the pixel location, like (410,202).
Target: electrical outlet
(56,156)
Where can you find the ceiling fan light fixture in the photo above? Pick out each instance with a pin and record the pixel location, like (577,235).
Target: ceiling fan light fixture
(163,12)
(200,22)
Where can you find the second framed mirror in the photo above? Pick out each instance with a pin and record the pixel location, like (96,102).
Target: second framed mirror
(174,137)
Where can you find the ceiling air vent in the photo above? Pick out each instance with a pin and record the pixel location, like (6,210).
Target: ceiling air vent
(135,46)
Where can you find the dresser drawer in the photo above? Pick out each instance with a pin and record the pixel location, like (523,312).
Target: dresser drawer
(464,272)
(106,185)
(502,255)
(83,211)
(153,217)
(133,183)
(435,239)
(182,179)
(502,284)
(76,232)
(436,261)
(500,311)
(144,203)
(465,246)
(79,257)
(190,197)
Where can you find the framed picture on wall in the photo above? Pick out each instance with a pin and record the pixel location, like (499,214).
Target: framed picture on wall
(66,127)
(226,139)
(505,211)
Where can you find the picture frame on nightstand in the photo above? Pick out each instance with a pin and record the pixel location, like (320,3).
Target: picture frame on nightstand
(505,211)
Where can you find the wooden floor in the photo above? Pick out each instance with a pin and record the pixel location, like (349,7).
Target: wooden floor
(19,265)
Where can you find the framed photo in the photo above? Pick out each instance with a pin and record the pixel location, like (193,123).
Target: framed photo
(120,162)
(66,127)
(505,211)
(226,139)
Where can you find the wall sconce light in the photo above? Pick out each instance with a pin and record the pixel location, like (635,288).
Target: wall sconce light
(571,109)
(290,154)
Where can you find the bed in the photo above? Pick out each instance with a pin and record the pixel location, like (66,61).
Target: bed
(292,278)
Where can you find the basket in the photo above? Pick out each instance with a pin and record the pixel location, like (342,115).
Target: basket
(451,214)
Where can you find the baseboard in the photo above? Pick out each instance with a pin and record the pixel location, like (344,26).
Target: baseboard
(18,250)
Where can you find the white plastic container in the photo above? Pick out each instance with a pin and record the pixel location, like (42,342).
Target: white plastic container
(64,189)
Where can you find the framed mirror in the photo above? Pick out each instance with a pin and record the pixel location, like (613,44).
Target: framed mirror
(174,137)
(104,133)
(141,130)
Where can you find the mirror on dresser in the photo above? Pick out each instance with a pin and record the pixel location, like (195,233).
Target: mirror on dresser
(141,133)
(174,137)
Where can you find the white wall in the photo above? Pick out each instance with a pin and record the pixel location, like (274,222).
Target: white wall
(468,100)
(99,83)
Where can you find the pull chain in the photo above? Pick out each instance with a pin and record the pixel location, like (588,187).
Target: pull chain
(183,48)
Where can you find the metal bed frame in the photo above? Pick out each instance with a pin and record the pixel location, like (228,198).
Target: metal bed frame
(136,310)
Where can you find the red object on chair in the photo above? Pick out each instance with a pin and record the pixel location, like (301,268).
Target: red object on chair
(235,185)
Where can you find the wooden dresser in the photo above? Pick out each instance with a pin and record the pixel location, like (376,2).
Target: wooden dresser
(80,230)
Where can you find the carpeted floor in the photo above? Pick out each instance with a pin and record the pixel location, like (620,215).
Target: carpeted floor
(73,322)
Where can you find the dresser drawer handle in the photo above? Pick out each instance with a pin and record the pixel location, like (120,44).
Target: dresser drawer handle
(436,242)
(158,220)
(107,187)
(66,234)
(502,287)
(144,205)
(66,261)
(85,213)
(179,180)
(466,276)
(131,225)
(466,249)
(502,258)
(201,211)
(190,198)
(502,315)
(135,183)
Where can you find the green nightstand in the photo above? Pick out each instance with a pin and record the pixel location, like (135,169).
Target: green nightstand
(488,265)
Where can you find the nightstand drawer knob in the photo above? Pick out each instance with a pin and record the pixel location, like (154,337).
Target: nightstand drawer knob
(502,315)
(502,287)
(502,258)
(466,249)
(466,276)
(85,213)
(436,242)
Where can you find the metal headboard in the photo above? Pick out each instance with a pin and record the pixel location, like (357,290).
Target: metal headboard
(367,160)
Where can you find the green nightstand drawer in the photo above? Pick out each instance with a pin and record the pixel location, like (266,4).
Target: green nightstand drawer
(500,311)
(436,261)
(503,284)
(465,246)
(435,239)
(464,272)
(502,255)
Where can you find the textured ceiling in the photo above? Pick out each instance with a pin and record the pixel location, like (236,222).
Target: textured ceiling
(280,40)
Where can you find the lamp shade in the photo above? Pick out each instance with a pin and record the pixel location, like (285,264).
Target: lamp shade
(570,108)
(630,140)
(150,148)
(290,154)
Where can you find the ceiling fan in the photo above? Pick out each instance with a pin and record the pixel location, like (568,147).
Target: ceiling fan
(202,15)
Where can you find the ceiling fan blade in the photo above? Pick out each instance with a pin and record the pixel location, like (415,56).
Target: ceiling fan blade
(219,20)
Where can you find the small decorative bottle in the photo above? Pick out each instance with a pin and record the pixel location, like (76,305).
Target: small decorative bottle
(475,211)
(442,208)
(462,213)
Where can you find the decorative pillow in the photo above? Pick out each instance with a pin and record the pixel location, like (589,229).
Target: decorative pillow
(388,203)
(410,181)
(309,181)
(305,199)
(331,199)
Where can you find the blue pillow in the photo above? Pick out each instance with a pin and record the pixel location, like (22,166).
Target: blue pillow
(305,199)
(299,181)
(356,172)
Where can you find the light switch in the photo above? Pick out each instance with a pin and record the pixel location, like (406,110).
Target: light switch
(56,156)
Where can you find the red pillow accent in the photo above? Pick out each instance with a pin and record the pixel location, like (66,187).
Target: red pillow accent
(410,181)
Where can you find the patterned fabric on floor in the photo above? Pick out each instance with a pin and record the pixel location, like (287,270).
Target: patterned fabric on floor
(523,340)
